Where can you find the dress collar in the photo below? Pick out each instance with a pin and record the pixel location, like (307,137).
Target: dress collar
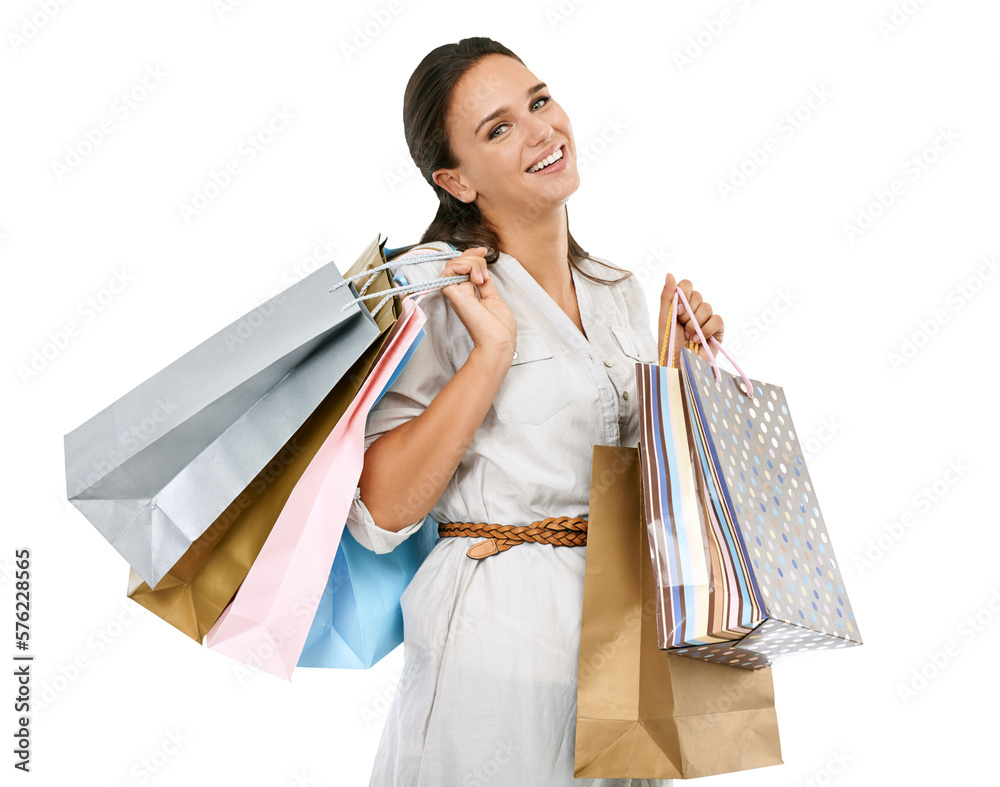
(545,302)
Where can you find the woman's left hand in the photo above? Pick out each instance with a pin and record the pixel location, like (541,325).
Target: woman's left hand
(711,324)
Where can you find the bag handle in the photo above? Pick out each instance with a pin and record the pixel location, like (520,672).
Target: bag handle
(668,348)
(406,289)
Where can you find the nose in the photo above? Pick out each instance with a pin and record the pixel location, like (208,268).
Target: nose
(539,132)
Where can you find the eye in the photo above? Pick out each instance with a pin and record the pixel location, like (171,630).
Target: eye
(534,103)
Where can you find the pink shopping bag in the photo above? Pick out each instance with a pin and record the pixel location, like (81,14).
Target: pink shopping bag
(267,622)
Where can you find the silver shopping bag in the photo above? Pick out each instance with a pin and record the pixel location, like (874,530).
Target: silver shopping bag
(153,470)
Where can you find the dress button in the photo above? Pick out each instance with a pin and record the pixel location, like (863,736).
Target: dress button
(607,363)
(625,394)
(515,355)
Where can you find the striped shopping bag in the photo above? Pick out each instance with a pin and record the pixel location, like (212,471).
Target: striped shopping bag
(704,591)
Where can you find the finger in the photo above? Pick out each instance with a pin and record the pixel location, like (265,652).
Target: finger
(474,267)
(666,298)
(476,259)
(701,313)
(467,258)
(475,253)
(478,273)
(460,294)
(694,301)
(721,330)
(669,285)
(686,288)
(460,290)
(462,265)
(711,327)
(487,289)
(456,267)
(667,294)
(714,327)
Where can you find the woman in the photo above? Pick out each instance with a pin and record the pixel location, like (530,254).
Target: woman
(522,370)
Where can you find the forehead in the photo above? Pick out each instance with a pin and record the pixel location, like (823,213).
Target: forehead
(495,81)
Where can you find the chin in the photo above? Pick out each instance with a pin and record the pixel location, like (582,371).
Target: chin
(558,190)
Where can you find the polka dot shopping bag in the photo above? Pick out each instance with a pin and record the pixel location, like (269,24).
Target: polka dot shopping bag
(742,560)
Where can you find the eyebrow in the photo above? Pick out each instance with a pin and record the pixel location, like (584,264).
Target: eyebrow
(491,116)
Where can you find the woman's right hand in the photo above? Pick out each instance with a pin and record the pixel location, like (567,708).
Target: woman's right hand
(486,317)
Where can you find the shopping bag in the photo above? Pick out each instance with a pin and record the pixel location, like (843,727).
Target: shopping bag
(193,593)
(702,581)
(752,466)
(643,712)
(198,587)
(359,620)
(267,622)
(156,468)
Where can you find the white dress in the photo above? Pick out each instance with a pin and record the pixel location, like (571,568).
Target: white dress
(487,695)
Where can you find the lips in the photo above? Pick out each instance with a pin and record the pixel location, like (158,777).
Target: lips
(545,155)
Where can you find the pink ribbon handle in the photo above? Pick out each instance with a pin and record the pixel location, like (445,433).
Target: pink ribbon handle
(748,389)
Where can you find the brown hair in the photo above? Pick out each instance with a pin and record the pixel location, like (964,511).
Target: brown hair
(425,107)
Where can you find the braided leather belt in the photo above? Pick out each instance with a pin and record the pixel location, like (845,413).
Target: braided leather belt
(560,531)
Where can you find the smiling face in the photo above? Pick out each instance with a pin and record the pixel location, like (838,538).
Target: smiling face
(501,121)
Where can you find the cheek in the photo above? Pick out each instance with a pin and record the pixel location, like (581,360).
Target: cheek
(500,163)
(569,133)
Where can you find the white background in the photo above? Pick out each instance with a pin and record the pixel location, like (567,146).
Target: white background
(806,305)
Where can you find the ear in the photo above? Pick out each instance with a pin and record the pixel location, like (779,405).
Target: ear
(447,179)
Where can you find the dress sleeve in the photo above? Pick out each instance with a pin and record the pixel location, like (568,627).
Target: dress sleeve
(429,369)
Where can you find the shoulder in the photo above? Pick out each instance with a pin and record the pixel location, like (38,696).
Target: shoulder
(621,282)
(606,270)
(631,303)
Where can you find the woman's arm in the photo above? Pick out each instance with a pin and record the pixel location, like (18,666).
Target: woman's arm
(406,469)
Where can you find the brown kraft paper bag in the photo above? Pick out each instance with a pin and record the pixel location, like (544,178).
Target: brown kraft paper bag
(643,712)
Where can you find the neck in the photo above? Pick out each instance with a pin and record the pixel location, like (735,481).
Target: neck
(542,249)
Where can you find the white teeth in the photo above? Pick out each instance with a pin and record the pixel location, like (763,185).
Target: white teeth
(546,161)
